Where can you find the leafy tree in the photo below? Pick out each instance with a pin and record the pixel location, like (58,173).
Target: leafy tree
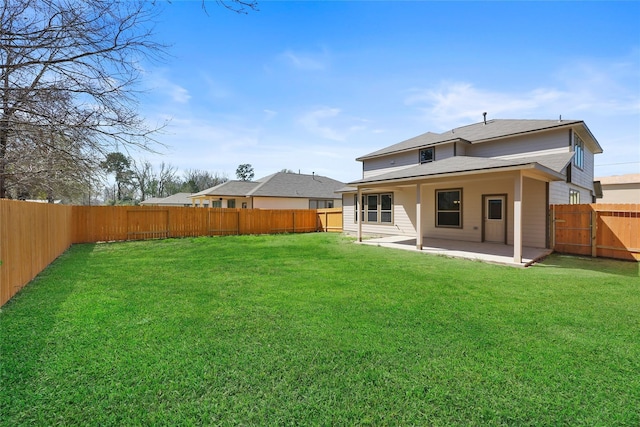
(120,166)
(244,172)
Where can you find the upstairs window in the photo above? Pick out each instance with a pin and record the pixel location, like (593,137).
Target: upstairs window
(427,155)
(578,148)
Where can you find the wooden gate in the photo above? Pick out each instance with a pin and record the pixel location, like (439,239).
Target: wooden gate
(597,230)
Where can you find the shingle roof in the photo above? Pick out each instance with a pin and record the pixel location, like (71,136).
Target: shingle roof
(279,184)
(551,163)
(151,201)
(178,199)
(480,132)
(229,188)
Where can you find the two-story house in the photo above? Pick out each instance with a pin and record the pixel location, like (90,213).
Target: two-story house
(491,181)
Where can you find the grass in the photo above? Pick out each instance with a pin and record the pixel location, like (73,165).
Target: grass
(314,330)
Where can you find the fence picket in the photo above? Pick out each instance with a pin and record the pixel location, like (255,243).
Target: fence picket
(602,230)
(32,235)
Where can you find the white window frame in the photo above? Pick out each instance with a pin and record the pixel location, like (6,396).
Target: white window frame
(574,197)
(578,148)
(378,212)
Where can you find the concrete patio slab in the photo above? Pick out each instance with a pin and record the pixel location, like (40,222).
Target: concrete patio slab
(495,253)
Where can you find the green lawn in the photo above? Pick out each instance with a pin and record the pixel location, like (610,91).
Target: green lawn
(315,330)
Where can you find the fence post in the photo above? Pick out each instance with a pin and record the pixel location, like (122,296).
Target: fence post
(553,227)
(594,233)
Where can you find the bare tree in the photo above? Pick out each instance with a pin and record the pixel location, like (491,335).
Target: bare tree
(143,178)
(240,6)
(71,67)
(197,180)
(167,175)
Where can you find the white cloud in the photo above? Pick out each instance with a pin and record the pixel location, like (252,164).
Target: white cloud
(330,123)
(160,86)
(179,94)
(576,91)
(314,122)
(269,114)
(306,60)
(605,95)
(453,104)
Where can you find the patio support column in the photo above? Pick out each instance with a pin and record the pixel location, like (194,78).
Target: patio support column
(517,219)
(359,214)
(418,217)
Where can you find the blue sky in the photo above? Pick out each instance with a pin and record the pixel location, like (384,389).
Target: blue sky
(310,86)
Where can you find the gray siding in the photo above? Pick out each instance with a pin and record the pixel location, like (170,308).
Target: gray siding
(404,203)
(527,145)
(393,162)
(584,177)
(380,165)
(559,193)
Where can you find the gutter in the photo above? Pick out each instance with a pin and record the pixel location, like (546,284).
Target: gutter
(526,166)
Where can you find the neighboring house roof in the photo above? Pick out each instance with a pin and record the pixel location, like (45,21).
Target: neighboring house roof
(481,132)
(280,184)
(550,164)
(151,201)
(632,178)
(178,199)
(229,188)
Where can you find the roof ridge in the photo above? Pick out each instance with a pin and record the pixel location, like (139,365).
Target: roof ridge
(262,183)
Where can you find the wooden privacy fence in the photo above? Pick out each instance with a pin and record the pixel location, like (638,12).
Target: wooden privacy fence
(597,230)
(32,235)
(109,223)
(330,219)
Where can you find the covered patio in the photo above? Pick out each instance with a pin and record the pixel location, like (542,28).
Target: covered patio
(447,207)
(495,253)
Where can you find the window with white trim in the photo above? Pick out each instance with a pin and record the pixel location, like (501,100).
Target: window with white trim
(374,208)
(427,155)
(578,148)
(574,197)
(449,208)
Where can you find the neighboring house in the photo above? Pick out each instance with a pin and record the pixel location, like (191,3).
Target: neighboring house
(491,181)
(281,190)
(178,199)
(620,188)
